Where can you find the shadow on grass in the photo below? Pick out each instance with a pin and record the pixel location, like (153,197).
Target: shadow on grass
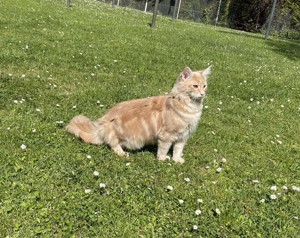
(242,34)
(286,48)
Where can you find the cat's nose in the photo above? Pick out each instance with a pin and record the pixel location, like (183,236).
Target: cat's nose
(202,94)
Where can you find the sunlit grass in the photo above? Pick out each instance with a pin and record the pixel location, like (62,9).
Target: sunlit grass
(57,63)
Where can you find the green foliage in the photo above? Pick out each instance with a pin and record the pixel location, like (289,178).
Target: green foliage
(56,63)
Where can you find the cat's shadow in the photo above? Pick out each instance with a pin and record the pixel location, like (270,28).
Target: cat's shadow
(147,148)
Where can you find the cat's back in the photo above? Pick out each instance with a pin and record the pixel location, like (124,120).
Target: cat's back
(144,107)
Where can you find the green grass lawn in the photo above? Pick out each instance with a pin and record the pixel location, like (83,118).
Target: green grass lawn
(56,63)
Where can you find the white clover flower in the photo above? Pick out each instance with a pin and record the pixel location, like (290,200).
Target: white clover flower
(215,150)
(199,200)
(262,201)
(23,75)
(102,185)
(273,197)
(187,180)
(74,107)
(127,164)
(198,212)
(279,142)
(195,227)
(169,188)
(217,210)
(207,167)
(88,156)
(87,191)
(16,101)
(38,110)
(180,201)
(33,130)
(96,174)
(224,160)
(23,147)
(274,188)
(219,170)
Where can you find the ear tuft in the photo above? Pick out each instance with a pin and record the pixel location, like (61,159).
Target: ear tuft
(186,73)
(206,72)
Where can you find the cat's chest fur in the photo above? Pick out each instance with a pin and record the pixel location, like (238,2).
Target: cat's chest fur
(181,116)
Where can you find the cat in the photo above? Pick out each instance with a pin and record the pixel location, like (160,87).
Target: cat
(167,120)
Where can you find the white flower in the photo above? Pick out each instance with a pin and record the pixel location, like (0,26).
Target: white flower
(262,201)
(187,180)
(33,130)
(87,191)
(102,185)
(255,181)
(284,187)
(274,188)
(38,110)
(294,188)
(23,147)
(218,212)
(170,188)
(223,160)
(273,197)
(74,107)
(219,170)
(16,101)
(195,227)
(199,200)
(127,164)
(198,212)
(96,174)
(180,201)
(207,167)
(279,142)
(88,156)
(215,150)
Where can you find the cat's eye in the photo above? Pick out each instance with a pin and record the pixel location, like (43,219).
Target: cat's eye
(204,86)
(195,86)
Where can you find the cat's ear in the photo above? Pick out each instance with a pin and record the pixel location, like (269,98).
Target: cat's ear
(206,72)
(186,73)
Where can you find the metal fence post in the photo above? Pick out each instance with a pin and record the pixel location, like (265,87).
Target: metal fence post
(154,14)
(270,20)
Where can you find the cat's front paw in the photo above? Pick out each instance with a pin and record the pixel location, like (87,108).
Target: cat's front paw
(178,160)
(162,158)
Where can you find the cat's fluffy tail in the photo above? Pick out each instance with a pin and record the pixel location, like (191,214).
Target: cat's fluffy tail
(85,129)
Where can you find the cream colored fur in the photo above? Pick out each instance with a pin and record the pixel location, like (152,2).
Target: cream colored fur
(164,120)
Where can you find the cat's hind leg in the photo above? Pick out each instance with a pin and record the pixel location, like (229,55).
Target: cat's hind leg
(119,151)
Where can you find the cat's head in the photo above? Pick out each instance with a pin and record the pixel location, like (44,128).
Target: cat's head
(192,83)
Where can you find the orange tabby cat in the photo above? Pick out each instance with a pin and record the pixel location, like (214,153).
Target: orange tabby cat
(164,120)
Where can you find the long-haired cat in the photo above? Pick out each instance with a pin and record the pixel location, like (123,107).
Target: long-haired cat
(167,120)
